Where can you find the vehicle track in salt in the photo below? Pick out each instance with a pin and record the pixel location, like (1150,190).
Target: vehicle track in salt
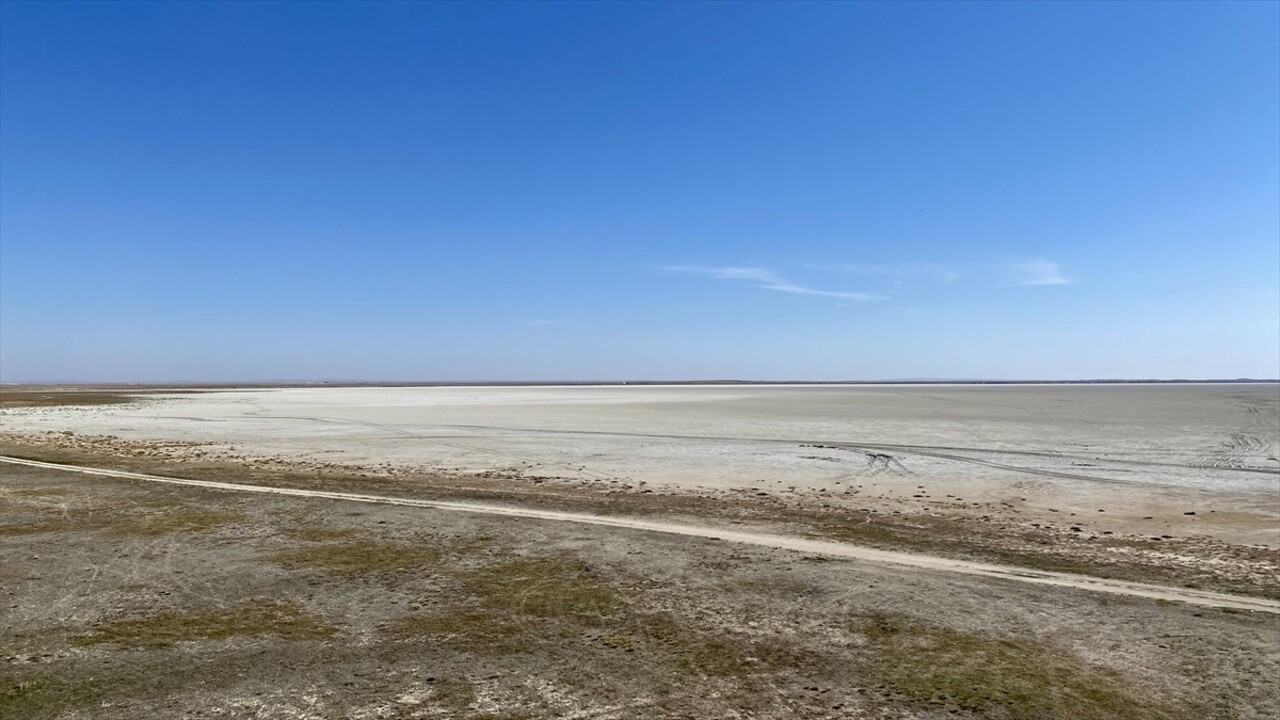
(798,544)
(930,450)
(939,452)
(1243,447)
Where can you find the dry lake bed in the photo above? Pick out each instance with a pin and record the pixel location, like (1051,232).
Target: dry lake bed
(913,551)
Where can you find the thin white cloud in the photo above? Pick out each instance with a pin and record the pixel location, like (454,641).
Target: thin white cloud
(910,271)
(1038,272)
(766,278)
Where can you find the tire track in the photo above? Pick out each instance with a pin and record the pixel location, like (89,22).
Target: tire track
(936,451)
(897,447)
(1243,447)
(799,544)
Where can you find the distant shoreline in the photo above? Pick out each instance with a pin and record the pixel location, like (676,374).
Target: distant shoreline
(598,383)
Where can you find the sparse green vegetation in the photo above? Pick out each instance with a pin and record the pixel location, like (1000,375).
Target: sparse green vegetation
(478,630)
(283,619)
(950,536)
(548,587)
(181,519)
(362,556)
(30,696)
(38,492)
(35,398)
(701,650)
(52,523)
(512,602)
(458,697)
(311,533)
(453,694)
(998,677)
(125,519)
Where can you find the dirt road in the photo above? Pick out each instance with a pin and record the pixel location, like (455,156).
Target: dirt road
(798,544)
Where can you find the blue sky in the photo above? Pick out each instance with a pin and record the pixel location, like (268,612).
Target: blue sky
(254,191)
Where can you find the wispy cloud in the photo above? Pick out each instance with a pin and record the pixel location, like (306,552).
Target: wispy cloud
(909,271)
(1034,271)
(1038,272)
(544,322)
(766,278)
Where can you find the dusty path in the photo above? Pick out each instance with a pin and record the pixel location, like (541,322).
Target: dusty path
(815,547)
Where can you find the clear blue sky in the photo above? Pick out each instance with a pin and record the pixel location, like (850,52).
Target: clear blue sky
(254,191)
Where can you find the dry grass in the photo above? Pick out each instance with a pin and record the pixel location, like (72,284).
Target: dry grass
(41,519)
(996,677)
(312,533)
(363,556)
(949,536)
(479,630)
(518,604)
(29,398)
(558,586)
(457,699)
(182,519)
(287,620)
(125,520)
(45,695)
(38,492)
(506,606)
(698,649)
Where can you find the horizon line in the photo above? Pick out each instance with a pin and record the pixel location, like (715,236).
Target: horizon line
(570,383)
